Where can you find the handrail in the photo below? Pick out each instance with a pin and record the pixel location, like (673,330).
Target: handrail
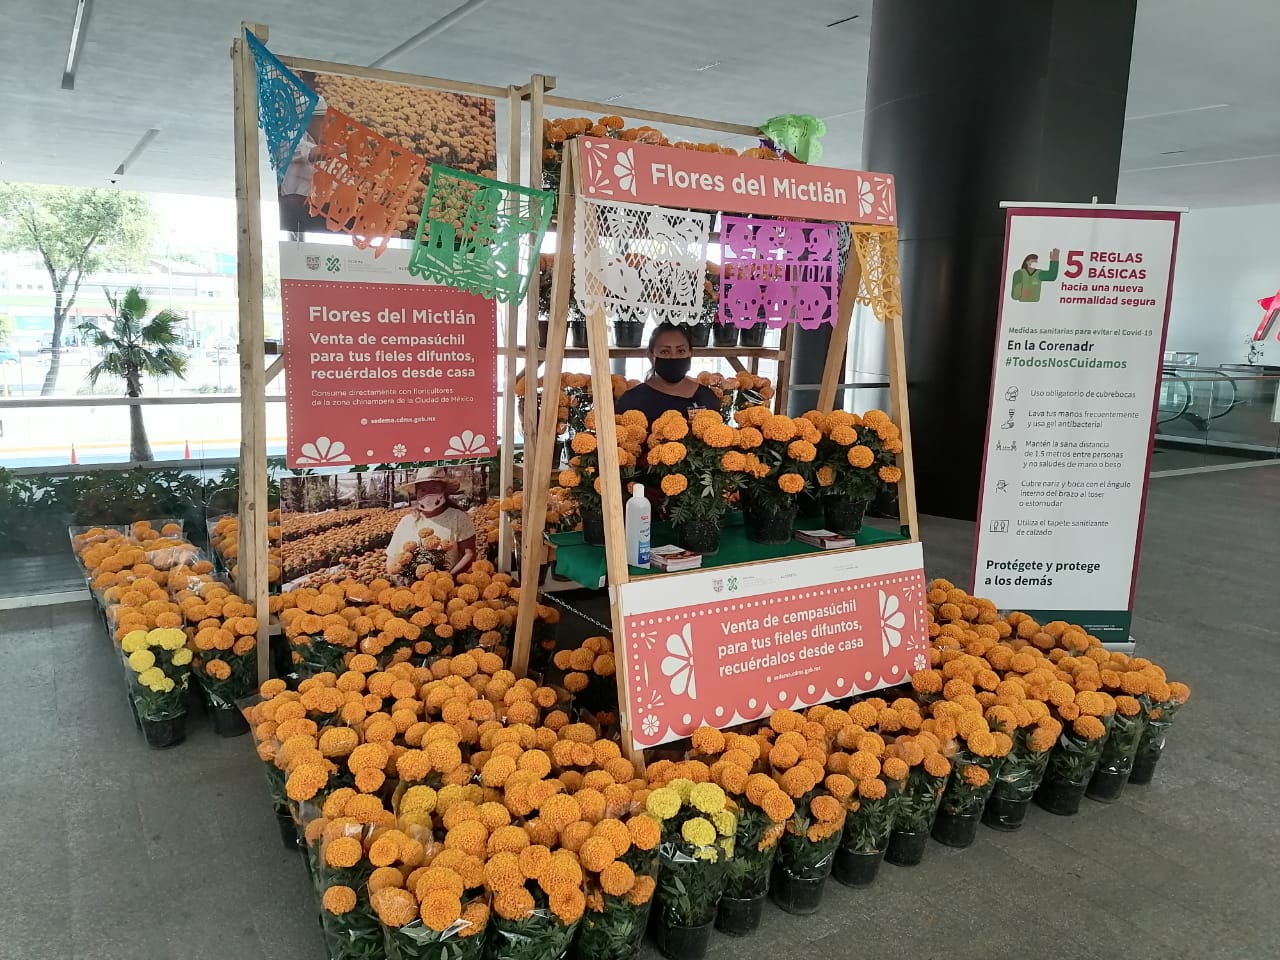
(35,403)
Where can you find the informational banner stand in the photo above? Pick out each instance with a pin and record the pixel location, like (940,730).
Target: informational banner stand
(1084,306)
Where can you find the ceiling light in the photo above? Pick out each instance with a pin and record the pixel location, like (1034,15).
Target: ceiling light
(707,66)
(79,29)
(438,27)
(836,23)
(1175,113)
(143,142)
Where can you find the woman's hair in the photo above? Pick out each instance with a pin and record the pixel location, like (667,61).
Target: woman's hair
(1029,256)
(668,327)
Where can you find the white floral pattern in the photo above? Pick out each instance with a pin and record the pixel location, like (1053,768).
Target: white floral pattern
(650,725)
(920,662)
(677,666)
(639,262)
(892,620)
(866,197)
(399,450)
(322,450)
(468,444)
(624,168)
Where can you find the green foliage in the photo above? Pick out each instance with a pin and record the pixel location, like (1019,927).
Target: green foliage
(915,806)
(747,873)
(960,797)
(1022,771)
(800,857)
(134,344)
(36,509)
(867,829)
(1074,758)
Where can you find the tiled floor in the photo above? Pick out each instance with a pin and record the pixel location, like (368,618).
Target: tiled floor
(113,851)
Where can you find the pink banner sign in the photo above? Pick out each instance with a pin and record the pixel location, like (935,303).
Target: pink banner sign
(722,646)
(777,272)
(634,172)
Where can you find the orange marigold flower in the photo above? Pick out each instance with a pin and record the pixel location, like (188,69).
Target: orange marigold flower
(645,831)
(936,765)
(826,809)
(1091,728)
(975,776)
(343,852)
(895,769)
(395,907)
(861,457)
(339,899)
(617,879)
(791,483)
(872,789)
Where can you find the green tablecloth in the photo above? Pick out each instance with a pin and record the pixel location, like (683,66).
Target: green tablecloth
(585,564)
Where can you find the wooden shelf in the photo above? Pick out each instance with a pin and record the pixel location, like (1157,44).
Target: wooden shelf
(764,353)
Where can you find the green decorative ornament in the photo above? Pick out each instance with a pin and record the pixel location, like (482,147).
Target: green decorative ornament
(797,133)
(480,235)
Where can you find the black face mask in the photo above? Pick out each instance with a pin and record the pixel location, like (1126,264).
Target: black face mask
(672,369)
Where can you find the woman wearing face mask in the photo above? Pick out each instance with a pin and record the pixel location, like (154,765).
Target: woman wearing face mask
(669,387)
(433,513)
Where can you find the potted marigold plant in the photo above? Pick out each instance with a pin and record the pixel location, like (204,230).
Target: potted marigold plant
(973,772)
(1119,751)
(855,462)
(621,880)
(438,918)
(582,476)
(921,781)
(694,463)
(806,852)
(867,825)
(227,669)
(693,856)
(1160,716)
(159,663)
(1072,762)
(1020,775)
(785,454)
(534,920)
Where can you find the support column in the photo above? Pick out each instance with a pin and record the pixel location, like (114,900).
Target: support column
(968,105)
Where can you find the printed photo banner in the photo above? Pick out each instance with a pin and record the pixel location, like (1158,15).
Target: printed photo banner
(362,182)
(777,272)
(636,262)
(630,171)
(480,235)
(725,646)
(285,105)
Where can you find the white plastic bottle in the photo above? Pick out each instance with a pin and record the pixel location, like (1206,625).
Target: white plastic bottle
(638,516)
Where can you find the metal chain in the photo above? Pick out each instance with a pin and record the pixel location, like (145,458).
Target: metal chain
(553,598)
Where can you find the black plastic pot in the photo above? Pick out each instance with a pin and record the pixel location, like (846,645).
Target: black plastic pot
(133,708)
(724,335)
(228,721)
(578,333)
(543,327)
(700,536)
(753,336)
(764,527)
(843,515)
(593,528)
(682,943)
(288,829)
(956,829)
(738,918)
(1107,785)
(628,333)
(906,849)
(1144,768)
(1061,798)
(796,895)
(164,733)
(699,333)
(885,504)
(1006,815)
(856,869)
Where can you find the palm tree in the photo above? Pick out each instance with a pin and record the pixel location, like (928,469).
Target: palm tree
(135,345)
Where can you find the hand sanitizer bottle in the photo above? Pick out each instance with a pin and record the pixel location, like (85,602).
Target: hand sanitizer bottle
(638,516)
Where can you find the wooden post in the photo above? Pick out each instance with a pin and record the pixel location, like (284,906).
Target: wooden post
(833,372)
(899,408)
(252,578)
(538,466)
(506,468)
(538,85)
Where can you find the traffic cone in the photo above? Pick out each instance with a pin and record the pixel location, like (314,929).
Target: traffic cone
(186,450)
(74,461)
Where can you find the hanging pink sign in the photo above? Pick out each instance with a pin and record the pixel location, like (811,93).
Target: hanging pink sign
(777,272)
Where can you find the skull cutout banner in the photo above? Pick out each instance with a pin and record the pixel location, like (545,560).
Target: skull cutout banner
(777,272)
(480,235)
(362,181)
(638,262)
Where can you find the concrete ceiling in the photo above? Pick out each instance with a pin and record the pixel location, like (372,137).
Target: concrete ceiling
(1203,124)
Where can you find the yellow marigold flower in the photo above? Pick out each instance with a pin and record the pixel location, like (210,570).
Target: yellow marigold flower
(663,804)
(699,832)
(152,677)
(339,899)
(791,483)
(725,822)
(707,797)
(142,660)
(181,657)
(861,457)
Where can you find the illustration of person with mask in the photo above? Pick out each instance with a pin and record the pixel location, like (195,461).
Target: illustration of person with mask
(1028,277)
(433,513)
(669,387)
